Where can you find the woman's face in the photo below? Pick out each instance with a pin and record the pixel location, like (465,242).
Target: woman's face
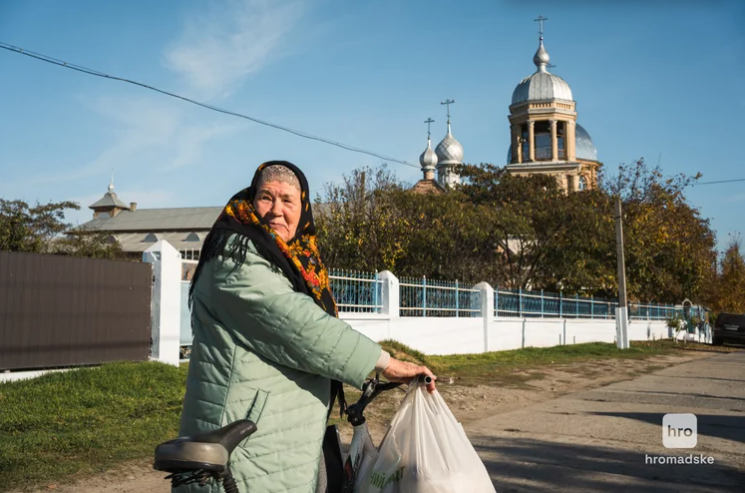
(279,204)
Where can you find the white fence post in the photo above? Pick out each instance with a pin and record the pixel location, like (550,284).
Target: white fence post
(166,304)
(391,300)
(487,309)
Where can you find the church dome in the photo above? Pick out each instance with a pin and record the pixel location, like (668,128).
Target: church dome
(542,84)
(584,146)
(449,151)
(428,159)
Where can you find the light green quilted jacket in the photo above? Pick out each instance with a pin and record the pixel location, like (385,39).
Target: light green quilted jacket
(267,353)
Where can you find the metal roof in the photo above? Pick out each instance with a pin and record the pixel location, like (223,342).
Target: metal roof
(541,86)
(158,220)
(584,146)
(428,159)
(139,242)
(109,199)
(449,151)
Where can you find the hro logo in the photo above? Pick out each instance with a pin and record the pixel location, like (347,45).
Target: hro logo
(679,430)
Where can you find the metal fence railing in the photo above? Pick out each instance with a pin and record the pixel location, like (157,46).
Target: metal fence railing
(654,311)
(356,292)
(540,304)
(422,297)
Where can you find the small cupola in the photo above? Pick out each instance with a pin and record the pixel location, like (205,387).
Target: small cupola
(428,159)
(109,204)
(449,155)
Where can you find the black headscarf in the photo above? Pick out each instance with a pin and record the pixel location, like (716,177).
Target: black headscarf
(298,258)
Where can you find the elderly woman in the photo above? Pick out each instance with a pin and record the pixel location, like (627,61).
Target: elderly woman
(268,345)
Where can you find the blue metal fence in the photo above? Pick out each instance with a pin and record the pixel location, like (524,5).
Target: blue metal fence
(521,303)
(422,297)
(356,292)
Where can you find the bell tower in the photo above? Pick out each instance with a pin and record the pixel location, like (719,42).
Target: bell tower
(545,136)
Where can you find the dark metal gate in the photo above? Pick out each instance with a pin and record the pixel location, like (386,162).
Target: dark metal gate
(58,311)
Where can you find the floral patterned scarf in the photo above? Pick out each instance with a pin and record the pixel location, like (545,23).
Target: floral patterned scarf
(299,258)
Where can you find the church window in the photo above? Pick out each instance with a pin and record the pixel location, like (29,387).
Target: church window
(525,143)
(542,141)
(582,183)
(561,139)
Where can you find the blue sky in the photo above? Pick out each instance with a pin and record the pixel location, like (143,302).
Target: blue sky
(662,80)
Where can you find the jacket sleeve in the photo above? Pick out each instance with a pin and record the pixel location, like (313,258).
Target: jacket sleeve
(258,305)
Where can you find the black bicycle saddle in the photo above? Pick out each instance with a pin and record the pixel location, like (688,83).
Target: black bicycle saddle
(207,451)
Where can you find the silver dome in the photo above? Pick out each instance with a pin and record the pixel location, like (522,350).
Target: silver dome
(585,149)
(428,159)
(449,151)
(584,146)
(542,84)
(541,57)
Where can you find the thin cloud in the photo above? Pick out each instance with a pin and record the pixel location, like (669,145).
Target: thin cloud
(150,134)
(737,198)
(188,145)
(217,51)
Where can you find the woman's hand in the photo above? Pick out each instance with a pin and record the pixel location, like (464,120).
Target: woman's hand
(403,371)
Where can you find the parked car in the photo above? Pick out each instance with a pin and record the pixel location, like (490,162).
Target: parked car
(729,327)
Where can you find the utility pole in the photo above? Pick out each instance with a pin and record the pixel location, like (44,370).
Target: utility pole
(363,187)
(622,312)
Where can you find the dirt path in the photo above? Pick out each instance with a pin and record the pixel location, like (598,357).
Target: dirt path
(471,405)
(610,438)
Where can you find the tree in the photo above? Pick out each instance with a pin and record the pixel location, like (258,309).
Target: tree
(39,229)
(358,227)
(373,222)
(546,238)
(728,290)
(31,229)
(670,249)
(95,244)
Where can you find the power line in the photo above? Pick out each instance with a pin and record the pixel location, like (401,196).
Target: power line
(61,63)
(721,181)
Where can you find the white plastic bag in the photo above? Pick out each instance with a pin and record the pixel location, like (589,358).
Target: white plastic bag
(425,450)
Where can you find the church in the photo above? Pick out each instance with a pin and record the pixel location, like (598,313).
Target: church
(545,138)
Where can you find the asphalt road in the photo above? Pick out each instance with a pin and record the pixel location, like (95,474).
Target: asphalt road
(600,440)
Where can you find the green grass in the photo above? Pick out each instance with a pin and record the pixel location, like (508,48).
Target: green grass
(86,420)
(403,352)
(520,365)
(89,420)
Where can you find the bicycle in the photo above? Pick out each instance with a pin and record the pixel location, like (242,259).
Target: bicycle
(206,456)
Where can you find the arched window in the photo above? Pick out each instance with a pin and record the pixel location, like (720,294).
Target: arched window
(542,135)
(582,183)
(525,143)
(561,140)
